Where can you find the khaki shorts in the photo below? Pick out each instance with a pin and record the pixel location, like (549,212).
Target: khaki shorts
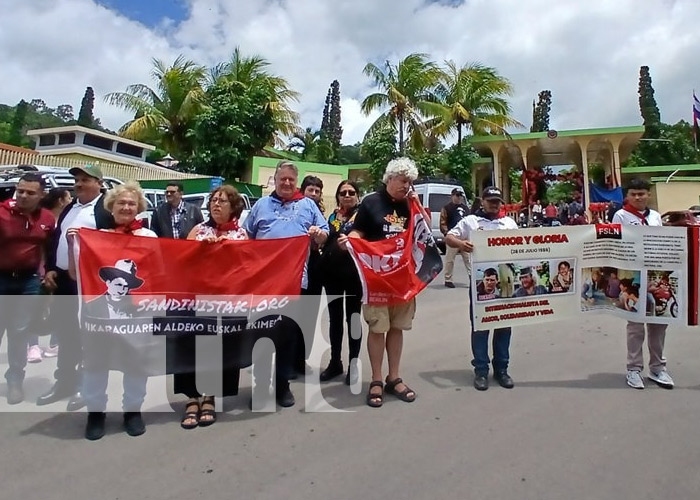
(382,318)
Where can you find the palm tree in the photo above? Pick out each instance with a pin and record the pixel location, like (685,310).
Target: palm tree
(406,88)
(304,142)
(167,113)
(252,72)
(311,145)
(472,96)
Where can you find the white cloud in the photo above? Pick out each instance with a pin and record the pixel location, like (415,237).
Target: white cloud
(588,53)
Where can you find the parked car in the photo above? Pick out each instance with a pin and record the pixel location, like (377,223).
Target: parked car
(434,195)
(59,177)
(202,201)
(53,176)
(683,218)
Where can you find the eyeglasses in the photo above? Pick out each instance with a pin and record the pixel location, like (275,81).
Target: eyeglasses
(347,193)
(170,192)
(220,201)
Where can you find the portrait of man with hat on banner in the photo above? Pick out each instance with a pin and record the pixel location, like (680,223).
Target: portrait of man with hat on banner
(116,302)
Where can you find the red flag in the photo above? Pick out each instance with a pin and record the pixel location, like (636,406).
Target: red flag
(397,269)
(173,267)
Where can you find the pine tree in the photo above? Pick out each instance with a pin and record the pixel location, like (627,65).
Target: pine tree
(335,130)
(16,131)
(647,105)
(85,115)
(326,120)
(540,112)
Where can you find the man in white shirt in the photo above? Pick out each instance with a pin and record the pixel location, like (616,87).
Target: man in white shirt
(485,219)
(635,212)
(86,210)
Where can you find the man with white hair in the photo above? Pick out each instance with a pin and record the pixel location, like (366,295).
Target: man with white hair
(386,214)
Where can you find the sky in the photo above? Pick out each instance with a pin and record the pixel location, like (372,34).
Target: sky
(587,53)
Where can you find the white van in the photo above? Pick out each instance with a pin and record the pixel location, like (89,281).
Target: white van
(201,200)
(433,196)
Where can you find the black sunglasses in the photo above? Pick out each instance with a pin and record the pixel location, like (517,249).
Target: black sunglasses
(347,193)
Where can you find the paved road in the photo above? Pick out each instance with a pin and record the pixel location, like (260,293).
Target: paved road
(571,428)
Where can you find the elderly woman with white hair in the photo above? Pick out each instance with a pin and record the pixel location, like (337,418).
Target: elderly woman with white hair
(125,202)
(386,214)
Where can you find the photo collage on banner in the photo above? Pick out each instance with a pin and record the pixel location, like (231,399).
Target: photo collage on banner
(528,276)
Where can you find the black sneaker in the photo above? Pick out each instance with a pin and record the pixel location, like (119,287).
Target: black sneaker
(503,379)
(481,382)
(449,284)
(133,423)
(95,428)
(285,398)
(332,371)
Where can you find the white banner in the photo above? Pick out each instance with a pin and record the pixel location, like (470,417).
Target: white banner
(530,276)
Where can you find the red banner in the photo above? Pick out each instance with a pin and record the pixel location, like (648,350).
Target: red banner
(397,269)
(137,292)
(181,267)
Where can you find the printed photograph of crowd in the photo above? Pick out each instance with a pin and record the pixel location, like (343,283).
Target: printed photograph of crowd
(522,279)
(610,287)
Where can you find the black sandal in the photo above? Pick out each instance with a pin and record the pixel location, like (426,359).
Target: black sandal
(191,415)
(403,395)
(209,412)
(375,400)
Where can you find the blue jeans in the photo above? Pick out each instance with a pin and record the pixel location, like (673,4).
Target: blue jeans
(480,349)
(16,312)
(480,346)
(94,390)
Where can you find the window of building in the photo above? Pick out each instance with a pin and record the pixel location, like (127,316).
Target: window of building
(97,142)
(128,149)
(47,140)
(67,138)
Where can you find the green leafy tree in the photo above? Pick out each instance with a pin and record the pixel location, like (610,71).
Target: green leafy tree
(312,145)
(335,130)
(17,126)
(164,115)
(540,112)
(86,117)
(379,147)
(326,118)
(471,98)
(253,72)
(515,179)
(429,163)
(65,112)
(236,123)
(350,154)
(647,105)
(459,163)
(405,90)
(674,146)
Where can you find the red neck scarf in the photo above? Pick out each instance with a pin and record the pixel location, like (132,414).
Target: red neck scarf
(231,225)
(642,215)
(296,196)
(128,228)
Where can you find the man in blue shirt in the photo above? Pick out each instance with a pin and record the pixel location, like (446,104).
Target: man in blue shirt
(284,214)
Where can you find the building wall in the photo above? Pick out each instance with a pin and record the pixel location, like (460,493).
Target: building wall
(675,195)
(263,169)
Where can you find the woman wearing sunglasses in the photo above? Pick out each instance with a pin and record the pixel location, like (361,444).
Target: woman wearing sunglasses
(342,284)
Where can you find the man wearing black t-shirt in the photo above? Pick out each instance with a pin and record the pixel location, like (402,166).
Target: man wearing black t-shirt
(385,214)
(450,215)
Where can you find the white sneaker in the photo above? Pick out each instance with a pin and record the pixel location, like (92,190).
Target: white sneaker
(34,354)
(634,379)
(51,352)
(662,378)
